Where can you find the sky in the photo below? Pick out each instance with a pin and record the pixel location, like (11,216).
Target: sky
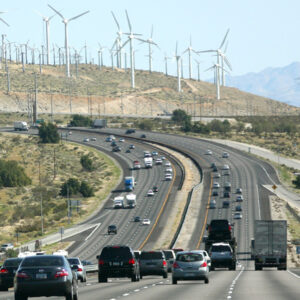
(263,33)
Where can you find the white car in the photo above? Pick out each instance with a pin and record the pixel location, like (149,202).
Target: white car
(225,155)
(93,139)
(168,177)
(150,193)
(239,198)
(167,164)
(212,204)
(70,132)
(216,185)
(121,140)
(146,222)
(169,170)
(112,137)
(237,216)
(207,257)
(158,161)
(217,175)
(86,140)
(162,157)
(208,152)
(225,167)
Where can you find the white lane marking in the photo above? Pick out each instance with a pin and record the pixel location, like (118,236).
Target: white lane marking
(137,290)
(125,295)
(297,276)
(145,287)
(233,284)
(92,232)
(259,216)
(268,174)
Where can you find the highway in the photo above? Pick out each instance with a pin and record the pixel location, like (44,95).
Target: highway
(246,172)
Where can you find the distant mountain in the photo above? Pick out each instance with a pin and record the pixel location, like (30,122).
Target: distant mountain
(282,84)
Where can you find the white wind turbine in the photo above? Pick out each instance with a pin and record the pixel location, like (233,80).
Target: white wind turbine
(198,68)
(2,12)
(178,61)
(150,42)
(219,54)
(190,50)
(166,63)
(118,43)
(131,37)
(47,20)
(100,56)
(66,21)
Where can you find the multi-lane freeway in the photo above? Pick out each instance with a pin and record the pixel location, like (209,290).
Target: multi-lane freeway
(246,172)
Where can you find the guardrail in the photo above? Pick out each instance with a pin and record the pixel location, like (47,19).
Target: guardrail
(91,268)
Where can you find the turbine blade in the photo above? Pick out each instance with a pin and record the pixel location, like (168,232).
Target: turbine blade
(225,49)
(144,41)
(129,25)
(191,40)
(151,31)
(56,11)
(224,39)
(176,48)
(4,22)
(116,20)
(195,52)
(51,17)
(209,69)
(116,40)
(37,12)
(124,45)
(79,16)
(228,63)
(206,51)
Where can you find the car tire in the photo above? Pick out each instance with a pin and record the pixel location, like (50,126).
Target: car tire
(165,275)
(102,279)
(212,268)
(206,280)
(141,276)
(174,281)
(3,288)
(20,297)
(134,277)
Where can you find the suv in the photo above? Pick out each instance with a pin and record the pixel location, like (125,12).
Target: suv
(112,229)
(219,230)
(117,261)
(153,263)
(222,255)
(7,273)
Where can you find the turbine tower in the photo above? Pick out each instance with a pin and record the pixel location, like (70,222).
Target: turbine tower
(178,60)
(150,42)
(166,63)
(118,43)
(198,68)
(2,48)
(66,21)
(190,50)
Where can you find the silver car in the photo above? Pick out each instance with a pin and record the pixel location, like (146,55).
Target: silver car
(153,263)
(81,272)
(190,265)
(207,257)
(170,257)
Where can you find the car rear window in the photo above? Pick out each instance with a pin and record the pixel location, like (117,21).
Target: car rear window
(220,248)
(189,257)
(38,261)
(73,261)
(12,262)
(169,254)
(151,255)
(219,225)
(115,253)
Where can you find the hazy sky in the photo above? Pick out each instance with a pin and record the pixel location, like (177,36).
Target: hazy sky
(263,33)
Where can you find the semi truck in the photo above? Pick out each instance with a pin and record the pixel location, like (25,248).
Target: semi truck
(148,162)
(118,202)
(269,247)
(20,126)
(99,123)
(129,183)
(131,200)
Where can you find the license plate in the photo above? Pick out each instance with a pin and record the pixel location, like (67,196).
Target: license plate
(116,264)
(189,274)
(41,276)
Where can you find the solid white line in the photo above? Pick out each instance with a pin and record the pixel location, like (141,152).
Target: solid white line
(258,202)
(92,232)
(295,275)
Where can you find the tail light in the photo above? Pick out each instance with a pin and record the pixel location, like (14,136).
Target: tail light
(229,227)
(209,228)
(131,261)
(175,265)
(79,269)
(101,262)
(61,273)
(164,263)
(3,271)
(22,274)
(204,265)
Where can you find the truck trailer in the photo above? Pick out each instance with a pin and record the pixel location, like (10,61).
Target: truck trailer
(131,200)
(269,248)
(99,123)
(148,162)
(119,202)
(20,126)
(129,183)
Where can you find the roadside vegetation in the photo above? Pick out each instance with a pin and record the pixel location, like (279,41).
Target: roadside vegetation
(51,174)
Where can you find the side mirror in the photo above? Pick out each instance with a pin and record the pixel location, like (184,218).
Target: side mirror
(98,256)
(74,267)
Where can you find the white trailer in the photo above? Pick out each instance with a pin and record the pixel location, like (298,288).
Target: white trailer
(100,123)
(131,200)
(20,126)
(119,202)
(148,162)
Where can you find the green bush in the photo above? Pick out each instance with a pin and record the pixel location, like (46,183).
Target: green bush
(48,133)
(87,163)
(71,187)
(12,175)
(180,116)
(81,121)
(86,190)
(296,182)
(145,125)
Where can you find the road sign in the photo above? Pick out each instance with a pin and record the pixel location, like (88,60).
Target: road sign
(274,187)
(298,249)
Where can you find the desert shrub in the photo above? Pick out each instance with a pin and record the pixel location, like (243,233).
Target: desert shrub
(87,163)
(48,133)
(86,190)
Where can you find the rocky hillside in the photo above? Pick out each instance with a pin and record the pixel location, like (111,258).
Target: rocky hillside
(108,91)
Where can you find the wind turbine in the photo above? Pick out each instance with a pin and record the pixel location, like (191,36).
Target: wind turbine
(100,55)
(66,21)
(150,42)
(178,60)
(131,37)
(219,54)
(190,50)
(118,42)
(2,12)
(166,64)
(198,68)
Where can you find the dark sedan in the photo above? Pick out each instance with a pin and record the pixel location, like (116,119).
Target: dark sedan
(7,273)
(45,275)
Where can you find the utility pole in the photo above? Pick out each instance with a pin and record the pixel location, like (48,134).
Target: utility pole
(54,164)
(35,114)
(8,80)
(51,95)
(70,97)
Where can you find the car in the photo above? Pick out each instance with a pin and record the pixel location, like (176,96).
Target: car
(237,216)
(108,139)
(154,153)
(86,140)
(222,256)
(117,261)
(121,140)
(213,164)
(113,144)
(226,204)
(155,189)
(206,256)
(217,175)
(137,219)
(45,275)
(215,193)
(131,146)
(215,169)
(238,208)
(80,270)
(190,265)
(112,137)
(128,151)
(158,161)
(153,263)
(216,185)
(93,139)
(146,222)
(167,164)
(116,149)
(70,132)
(226,194)
(239,191)
(5,247)
(112,229)
(162,157)
(225,167)
(150,193)
(170,257)
(239,198)
(225,155)
(212,204)
(7,273)
(143,136)
(168,177)
(226,173)
(86,262)
(137,254)
(208,152)
(129,131)
(169,170)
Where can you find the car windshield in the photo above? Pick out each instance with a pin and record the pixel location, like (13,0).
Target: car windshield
(12,262)
(74,261)
(168,254)
(38,261)
(220,249)
(189,257)
(151,255)
(116,252)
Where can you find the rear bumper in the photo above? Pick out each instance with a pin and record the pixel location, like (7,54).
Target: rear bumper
(222,263)
(7,281)
(191,275)
(116,272)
